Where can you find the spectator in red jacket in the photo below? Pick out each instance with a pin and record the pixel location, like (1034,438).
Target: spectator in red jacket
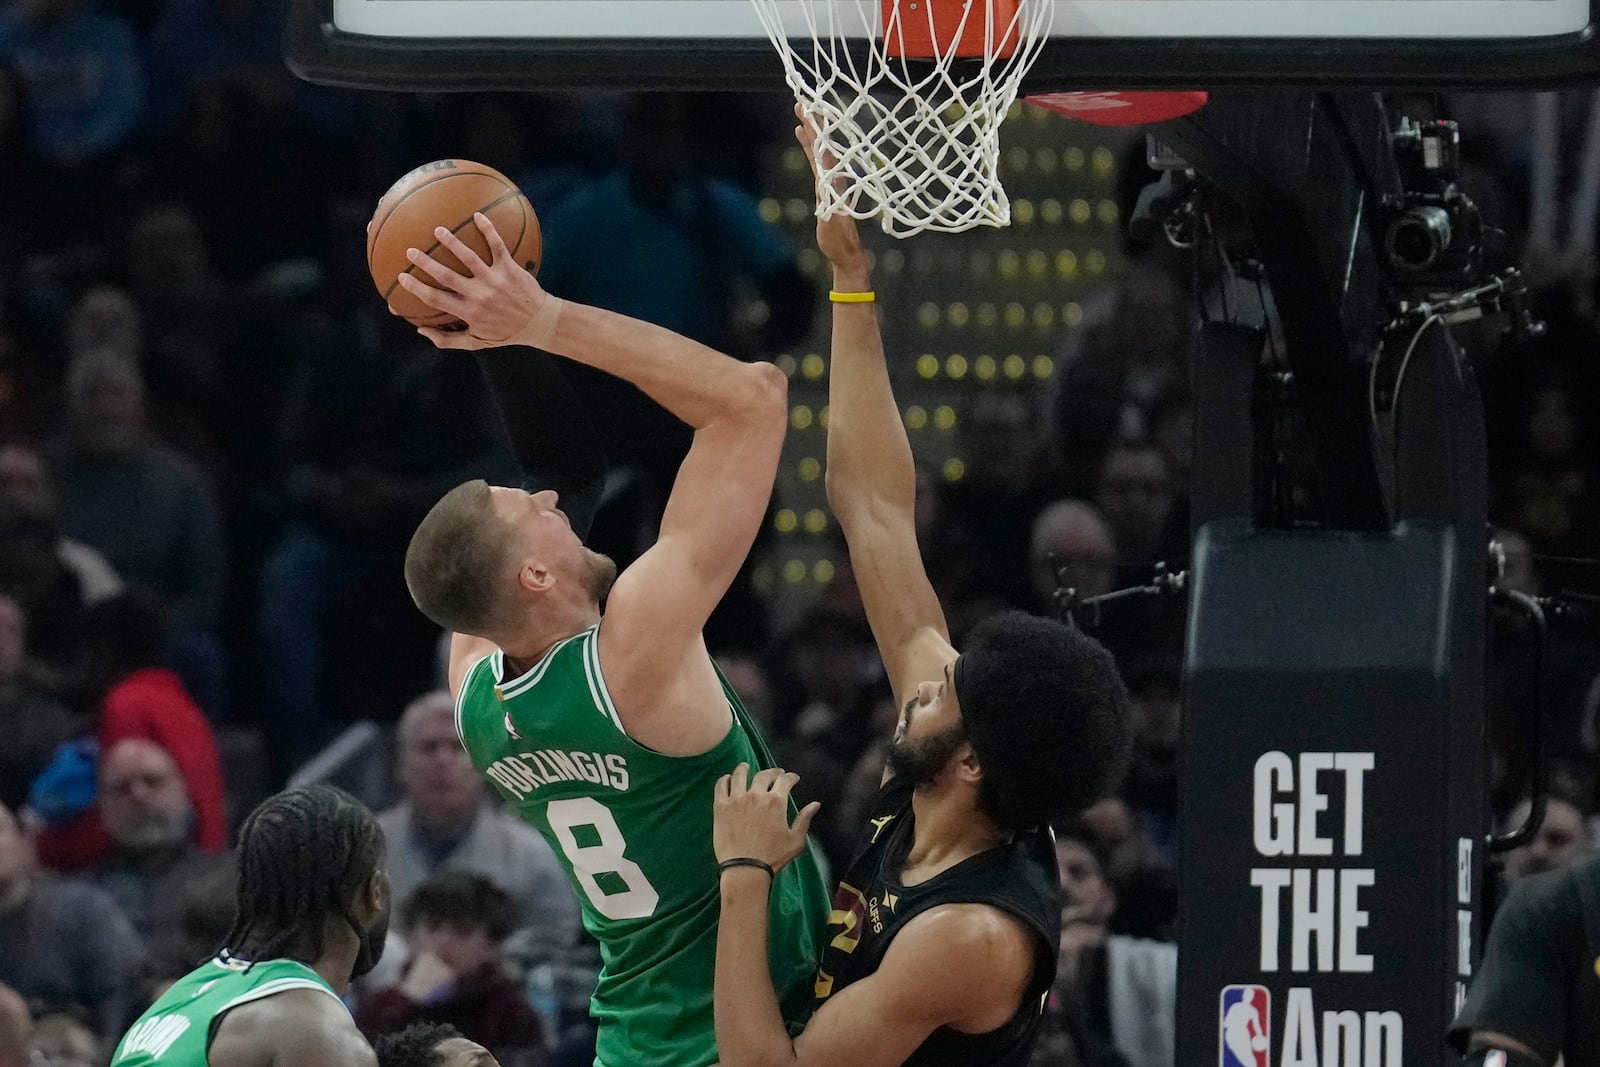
(141,701)
(455,923)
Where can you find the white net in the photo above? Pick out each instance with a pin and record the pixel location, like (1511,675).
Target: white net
(911,139)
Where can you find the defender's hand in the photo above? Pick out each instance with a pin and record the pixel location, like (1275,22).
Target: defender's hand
(837,238)
(499,300)
(750,817)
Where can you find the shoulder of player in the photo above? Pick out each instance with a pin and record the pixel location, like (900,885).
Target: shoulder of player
(300,1027)
(633,651)
(1550,897)
(963,948)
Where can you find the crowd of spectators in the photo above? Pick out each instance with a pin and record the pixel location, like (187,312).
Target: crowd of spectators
(214,443)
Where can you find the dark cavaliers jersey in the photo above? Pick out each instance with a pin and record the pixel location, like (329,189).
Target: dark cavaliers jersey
(871,905)
(1539,981)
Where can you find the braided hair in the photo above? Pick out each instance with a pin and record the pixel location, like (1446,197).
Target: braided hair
(303,856)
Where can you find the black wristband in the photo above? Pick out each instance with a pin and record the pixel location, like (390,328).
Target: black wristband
(747,861)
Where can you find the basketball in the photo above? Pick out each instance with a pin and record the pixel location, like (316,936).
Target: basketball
(445,192)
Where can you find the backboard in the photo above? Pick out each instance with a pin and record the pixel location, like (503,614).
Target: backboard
(1096,44)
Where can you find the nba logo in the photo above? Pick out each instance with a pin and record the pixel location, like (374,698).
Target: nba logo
(1245,1024)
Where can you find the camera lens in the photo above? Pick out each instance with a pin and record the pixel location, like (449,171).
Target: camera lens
(1416,240)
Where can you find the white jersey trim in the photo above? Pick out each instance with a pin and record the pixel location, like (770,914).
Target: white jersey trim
(518,686)
(274,987)
(597,684)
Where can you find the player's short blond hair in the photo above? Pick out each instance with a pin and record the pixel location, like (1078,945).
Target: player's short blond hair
(454,560)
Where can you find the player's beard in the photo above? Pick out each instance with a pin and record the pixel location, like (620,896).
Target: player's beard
(919,762)
(601,573)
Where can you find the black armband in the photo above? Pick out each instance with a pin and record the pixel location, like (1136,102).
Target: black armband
(549,430)
(1500,1057)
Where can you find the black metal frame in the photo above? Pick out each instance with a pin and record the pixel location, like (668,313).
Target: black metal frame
(317,52)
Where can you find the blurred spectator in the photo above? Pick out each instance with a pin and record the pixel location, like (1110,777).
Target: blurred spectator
(36,722)
(1563,838)
(63,944)
(828,675)
(84,76)
(1130,351)
(447,821)
(61,1040)
(105,317)
(378,425)
(177,394)
(16,1030)
(200,46)
(146,509)
(1109,827)
(1151,787)
(455,924)
(1114,1001)
(681,245)
(430,1045)
(1549,494)
(987,516)
(155,862)
(25,488)
(749,679)
(137,699)
(1071,545)
(1171,419)
(33,573)
(1135,494)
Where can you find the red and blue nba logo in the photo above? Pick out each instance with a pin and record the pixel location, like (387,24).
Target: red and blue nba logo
(1244,1025)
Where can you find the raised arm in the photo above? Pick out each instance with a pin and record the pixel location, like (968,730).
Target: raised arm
(871,479)
(666,697)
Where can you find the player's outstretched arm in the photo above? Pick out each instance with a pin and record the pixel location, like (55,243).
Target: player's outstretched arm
(871,478)
(666,694)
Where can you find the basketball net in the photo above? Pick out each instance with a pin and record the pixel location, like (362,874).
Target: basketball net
(907,97)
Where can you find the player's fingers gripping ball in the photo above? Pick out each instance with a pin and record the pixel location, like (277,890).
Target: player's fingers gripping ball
(447,193)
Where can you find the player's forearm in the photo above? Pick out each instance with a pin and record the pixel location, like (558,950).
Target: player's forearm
(869,456)
(750,1029)
(695,383)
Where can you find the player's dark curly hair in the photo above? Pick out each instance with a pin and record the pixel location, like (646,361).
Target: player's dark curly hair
(303,855)
(415,1046)
(461,897)
(1047,715)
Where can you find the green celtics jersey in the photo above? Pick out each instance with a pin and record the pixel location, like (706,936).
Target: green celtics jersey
(177,1030)
(633,828)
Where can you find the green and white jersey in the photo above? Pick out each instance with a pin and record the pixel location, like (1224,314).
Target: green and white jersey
(177,1030)
(633,828)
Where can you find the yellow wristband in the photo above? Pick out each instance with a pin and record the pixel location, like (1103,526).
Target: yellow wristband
(837,297)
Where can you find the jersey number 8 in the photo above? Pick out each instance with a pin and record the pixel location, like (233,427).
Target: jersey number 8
(638,898)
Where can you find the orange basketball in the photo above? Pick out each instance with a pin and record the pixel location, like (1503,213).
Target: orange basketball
(445,193)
